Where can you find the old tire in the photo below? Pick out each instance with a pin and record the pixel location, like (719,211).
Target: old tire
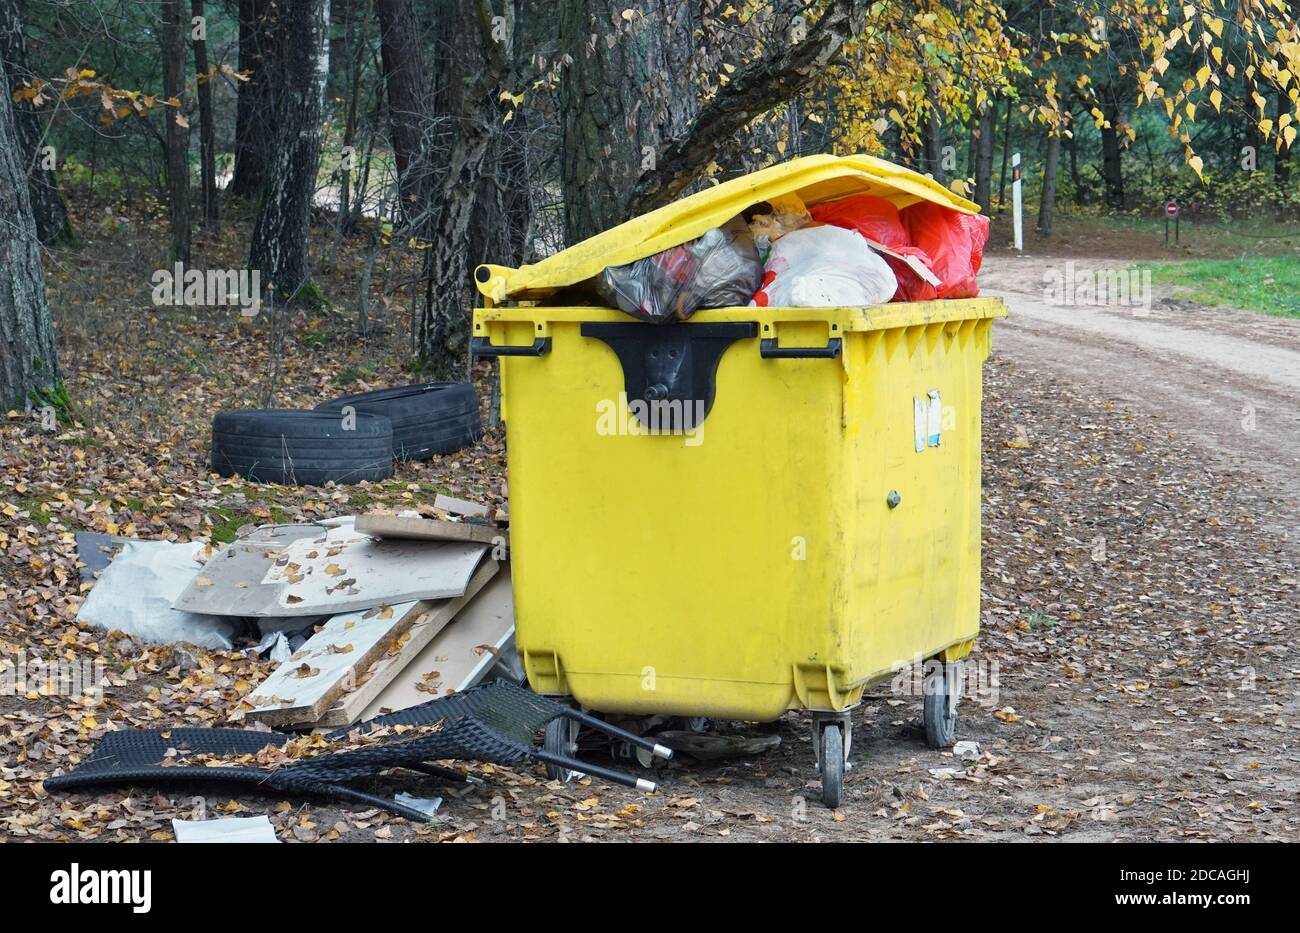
(428,419)
(307,448)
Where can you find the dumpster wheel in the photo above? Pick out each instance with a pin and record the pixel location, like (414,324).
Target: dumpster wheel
(939,712)
(831,764)
(562,739)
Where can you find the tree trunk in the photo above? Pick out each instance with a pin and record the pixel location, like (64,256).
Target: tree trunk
(1282,156)
(634,135)
(176,137)
(355,44)
(1112,169)
(984,130)
(1006,154)
(933,144)
(253,122)
(409,102)
(1075,180)
(52,224)
(625,93)
(442,328)
(207,124)
(502,205)
(1047,203)
(29,365)
(300,30)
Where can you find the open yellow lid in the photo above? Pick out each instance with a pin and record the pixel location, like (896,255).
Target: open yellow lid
(815,179)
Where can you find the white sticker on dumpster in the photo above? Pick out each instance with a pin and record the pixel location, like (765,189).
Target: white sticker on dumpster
(934,421)
(918,422)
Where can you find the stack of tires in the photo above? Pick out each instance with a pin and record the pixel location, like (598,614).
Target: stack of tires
(349,439)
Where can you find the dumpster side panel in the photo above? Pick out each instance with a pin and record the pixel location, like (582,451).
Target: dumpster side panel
(914,438)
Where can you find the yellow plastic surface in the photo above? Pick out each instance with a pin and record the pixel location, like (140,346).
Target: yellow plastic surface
(816,179)
(761,568)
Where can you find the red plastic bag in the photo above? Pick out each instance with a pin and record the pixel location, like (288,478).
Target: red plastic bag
(953,241)
(873,217)
(878,220)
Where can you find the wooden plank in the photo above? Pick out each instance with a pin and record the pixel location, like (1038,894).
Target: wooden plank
(337,571)
(427,529)
(371,680)
(459,506)
(330,663)
(458,657)
(303,687)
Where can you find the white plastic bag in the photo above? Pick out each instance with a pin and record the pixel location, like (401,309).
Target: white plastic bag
(824,267)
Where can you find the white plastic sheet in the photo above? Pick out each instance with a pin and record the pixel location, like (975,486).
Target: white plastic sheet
(134,595)
(231,829)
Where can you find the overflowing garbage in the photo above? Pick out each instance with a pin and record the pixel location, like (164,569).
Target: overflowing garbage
(717,270)
(857,251)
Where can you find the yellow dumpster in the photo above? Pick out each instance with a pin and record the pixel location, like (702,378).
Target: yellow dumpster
(809,526)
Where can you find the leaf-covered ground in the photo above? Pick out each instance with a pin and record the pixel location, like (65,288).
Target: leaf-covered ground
(1141,609)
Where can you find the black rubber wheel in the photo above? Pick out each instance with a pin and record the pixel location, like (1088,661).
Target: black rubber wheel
(307,448)
(939,710)
(561,739)
(428,419)
(832,765)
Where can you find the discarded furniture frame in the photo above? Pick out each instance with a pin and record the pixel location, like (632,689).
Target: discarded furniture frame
(495,722)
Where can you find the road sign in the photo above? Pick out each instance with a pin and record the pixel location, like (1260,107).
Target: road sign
(1171,208)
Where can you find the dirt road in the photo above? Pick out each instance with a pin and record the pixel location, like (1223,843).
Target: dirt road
(1230,379)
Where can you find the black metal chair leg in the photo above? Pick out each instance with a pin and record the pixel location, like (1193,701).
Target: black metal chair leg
(608,774)
(659,751)
(439,771)
(384,803)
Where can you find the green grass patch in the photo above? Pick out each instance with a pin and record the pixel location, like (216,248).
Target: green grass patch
(1035,620)
(227,522)
(353,374)
(1271,285)
(37,509)
(79,440)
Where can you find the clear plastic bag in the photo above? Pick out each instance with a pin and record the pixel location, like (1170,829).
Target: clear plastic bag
(824,267)
(717,270)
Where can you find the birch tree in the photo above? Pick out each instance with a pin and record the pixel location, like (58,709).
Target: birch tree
(300,35)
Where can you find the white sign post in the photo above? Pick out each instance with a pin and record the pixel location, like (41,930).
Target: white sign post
(1017,205)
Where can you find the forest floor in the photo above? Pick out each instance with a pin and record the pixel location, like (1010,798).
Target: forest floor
(1139,599)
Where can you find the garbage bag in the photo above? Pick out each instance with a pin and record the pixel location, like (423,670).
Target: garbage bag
(824,267)
(783,215)
(953,241)
(878,220)
(717,270)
